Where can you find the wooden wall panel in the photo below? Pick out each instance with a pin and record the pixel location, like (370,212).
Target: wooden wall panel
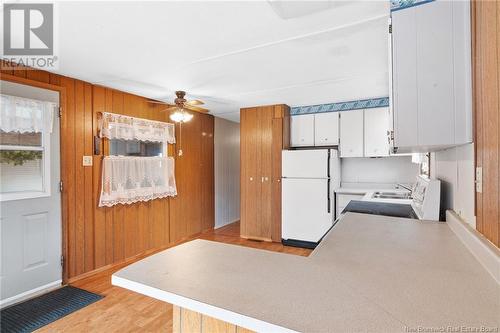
(486,84)
(99,237)
(207,170)
(195,168)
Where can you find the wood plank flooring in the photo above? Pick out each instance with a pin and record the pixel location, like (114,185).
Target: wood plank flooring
(125,311)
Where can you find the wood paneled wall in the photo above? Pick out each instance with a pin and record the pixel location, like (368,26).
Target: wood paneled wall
(100,237)
(486,92)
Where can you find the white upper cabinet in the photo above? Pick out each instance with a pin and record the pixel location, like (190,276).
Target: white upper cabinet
(431,76)
(376,127)
(326,129)
(351,133)
(302,130)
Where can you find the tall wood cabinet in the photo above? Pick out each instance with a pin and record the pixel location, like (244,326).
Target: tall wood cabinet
(264,132)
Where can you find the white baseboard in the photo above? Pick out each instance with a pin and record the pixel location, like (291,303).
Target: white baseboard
(484,251)
(30,294)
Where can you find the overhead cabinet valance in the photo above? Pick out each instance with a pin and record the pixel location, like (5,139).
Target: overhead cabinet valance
(116,126)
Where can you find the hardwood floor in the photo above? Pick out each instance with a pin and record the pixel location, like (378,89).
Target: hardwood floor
(125,311)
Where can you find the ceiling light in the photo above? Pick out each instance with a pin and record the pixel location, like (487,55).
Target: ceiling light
(181,116)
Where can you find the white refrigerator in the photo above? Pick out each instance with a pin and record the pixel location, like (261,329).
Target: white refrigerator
(309,179)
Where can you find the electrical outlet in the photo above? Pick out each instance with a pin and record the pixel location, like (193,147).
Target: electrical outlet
(87,161)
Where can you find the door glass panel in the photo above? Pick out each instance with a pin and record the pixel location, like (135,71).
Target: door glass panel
(21,171)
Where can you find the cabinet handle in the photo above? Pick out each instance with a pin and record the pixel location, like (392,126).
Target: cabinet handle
(262,179)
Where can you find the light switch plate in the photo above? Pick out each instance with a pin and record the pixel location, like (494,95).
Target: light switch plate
(87,161)
(479,179)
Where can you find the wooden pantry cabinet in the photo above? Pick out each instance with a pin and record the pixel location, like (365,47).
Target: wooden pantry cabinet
(264,133)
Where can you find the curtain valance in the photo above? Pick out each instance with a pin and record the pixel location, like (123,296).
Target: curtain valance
(24,115)
(116,126)
(129,179)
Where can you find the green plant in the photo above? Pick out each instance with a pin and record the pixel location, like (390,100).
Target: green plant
(19,157)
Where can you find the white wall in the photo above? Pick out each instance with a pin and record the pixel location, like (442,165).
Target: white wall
(378,172)
(455,168)
(227,171)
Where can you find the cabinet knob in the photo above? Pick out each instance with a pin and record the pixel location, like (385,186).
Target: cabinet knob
(251,178)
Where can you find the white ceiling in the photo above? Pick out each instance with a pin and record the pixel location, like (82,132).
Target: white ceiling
(230,54)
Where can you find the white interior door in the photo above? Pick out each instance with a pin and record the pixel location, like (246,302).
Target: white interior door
(30,217)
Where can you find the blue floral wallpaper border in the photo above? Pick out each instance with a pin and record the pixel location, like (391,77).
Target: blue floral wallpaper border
(342,106)
(402,4)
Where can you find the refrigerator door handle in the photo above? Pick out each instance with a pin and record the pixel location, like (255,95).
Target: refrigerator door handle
(328,200)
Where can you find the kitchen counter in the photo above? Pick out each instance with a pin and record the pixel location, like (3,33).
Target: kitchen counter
(370,273)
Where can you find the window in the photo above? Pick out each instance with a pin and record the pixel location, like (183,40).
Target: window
(24,148)
(135,148)
(137,168)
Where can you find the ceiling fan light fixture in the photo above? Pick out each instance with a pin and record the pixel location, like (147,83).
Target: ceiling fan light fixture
(181,116)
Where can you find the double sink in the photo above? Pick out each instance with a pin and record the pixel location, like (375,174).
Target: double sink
(391,195)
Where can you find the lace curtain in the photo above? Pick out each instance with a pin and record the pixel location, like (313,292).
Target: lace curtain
(25,115)
(129,179)
(116,126)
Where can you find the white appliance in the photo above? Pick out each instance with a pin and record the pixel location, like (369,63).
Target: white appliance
(309,178)
(424,199)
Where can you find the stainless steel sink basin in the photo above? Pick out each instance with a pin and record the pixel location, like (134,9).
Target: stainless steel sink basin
(391,195)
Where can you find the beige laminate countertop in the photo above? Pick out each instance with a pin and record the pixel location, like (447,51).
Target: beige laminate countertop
(370,273)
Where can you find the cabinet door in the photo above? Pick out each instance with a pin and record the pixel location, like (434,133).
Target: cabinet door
(435,73)
(404,77)
(351,133)
(250,142)
(326,129)
(343,200)
(263,230)
(302,130)
(376,127)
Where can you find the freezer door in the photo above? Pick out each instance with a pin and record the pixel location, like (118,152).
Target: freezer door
(305,211)
(305,163)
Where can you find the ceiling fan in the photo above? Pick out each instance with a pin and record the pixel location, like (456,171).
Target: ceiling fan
(179,112)
(180,106)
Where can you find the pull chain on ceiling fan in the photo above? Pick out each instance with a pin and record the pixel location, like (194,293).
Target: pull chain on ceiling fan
(178,111)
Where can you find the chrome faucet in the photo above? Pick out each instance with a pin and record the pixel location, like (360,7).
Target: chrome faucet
(405,187)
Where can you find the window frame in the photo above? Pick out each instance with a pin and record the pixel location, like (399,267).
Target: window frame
(46,181)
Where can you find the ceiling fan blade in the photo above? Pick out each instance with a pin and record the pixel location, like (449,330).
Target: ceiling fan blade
(152,101)
(196,108)
(194,102)
(172,108)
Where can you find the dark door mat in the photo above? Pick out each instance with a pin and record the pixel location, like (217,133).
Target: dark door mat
(45,309)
